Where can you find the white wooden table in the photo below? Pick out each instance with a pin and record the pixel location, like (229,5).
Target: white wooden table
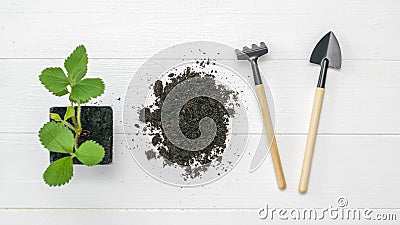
(356,151)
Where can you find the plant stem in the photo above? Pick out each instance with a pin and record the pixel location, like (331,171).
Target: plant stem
(76,140)
(74,117)
(76,120)
(68,125)
(79,128)
(79,117)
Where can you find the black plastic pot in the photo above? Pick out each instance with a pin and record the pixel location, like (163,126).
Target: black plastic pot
(97,125)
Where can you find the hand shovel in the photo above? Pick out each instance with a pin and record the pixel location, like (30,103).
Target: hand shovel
(252,54)
(327,54)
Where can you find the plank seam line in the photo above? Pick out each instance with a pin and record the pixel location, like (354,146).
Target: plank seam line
(277,133)
(167,209)
(145,58)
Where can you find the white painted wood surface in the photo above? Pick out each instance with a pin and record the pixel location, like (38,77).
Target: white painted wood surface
(357,150)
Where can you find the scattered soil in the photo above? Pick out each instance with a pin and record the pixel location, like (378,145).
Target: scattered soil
(190,115)
(97,125)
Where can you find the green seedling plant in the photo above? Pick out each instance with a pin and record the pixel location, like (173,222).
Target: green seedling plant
(62,133)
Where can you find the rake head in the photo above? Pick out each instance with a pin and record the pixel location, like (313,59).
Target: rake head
(252,53)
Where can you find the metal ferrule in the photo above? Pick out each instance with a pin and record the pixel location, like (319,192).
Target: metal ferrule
(322,73)
(256,71)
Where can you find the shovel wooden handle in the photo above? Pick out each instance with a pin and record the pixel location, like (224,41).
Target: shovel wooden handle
(312,135)
(269,128)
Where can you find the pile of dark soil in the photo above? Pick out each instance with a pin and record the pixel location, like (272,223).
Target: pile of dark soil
(190,115)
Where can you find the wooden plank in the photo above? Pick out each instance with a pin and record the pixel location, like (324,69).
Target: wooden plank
(141,34)
(362,98)
(343,166)
(168,217)
(356,7)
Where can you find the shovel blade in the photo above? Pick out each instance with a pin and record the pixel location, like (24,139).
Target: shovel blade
(327,48)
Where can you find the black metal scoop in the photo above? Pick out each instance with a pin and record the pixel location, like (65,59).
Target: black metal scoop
(327,54)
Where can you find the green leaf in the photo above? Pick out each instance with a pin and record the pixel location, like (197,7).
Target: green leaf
(55,117)
(87,89)
(70,112)
(55,80)
(90,153)
(62,93)
(56,137)
(76,64)
(59,172)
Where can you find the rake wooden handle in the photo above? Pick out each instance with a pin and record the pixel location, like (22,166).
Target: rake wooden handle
(312,135)
(276,160)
